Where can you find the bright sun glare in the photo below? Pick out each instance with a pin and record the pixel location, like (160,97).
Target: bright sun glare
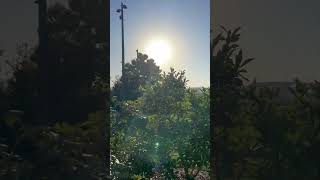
(159,50)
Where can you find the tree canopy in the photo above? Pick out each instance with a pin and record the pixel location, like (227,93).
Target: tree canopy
(137,73)
(253,134)
(164,130)
(70,140)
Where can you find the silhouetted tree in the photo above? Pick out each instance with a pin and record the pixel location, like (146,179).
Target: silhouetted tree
(254,135)
(227,76)
(136,74)
(78,86)
(75,62)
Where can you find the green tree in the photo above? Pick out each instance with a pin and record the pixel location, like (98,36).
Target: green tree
(168,126)
(138,73)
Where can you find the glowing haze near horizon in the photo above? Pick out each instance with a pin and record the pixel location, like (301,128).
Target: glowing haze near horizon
(181,29)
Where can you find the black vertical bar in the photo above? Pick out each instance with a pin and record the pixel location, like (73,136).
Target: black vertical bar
(108,98)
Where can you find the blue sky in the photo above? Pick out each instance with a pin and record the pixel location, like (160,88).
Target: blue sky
(186,24)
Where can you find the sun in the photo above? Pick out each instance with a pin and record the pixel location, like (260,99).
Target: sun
(159,50)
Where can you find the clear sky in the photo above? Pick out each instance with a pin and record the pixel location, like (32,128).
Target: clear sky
(183,24)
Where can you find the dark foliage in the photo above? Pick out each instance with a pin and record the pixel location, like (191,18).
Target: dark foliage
(68,140)
(254,135)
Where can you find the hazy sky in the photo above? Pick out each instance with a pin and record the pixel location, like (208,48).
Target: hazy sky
(185,23)
(283,35)
(276,33)
(19,23)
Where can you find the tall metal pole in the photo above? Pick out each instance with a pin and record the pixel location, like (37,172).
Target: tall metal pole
(43,50)
(42,23)
(122,35)
(123,6)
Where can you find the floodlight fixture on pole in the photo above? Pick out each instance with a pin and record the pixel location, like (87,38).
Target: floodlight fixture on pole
(123,6)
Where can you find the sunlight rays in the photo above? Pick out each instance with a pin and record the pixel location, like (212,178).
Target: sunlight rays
(160,50)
